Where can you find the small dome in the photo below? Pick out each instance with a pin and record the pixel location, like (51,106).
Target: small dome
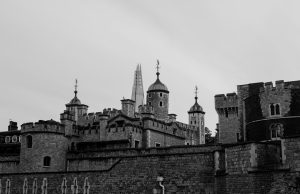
(196,108)
(75,100)
(157,85)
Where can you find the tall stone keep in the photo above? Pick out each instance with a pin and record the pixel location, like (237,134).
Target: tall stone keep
(196,118)
(137,89)
(158,98)
(227,109)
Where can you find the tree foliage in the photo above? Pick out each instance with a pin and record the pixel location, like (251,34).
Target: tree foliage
(209,139)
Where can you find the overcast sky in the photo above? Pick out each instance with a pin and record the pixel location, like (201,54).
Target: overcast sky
(216,45)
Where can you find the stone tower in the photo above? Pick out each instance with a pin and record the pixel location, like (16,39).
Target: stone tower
(74,107)
(137,89)
(227,109)
(44,146)
(196,118)
(158,98)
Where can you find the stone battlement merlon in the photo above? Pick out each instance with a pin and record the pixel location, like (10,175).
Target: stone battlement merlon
(92,117)
(229,100)
(279,85)
(186,126)
(43,126)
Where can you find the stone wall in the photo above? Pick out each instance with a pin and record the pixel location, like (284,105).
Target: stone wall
(291,153)
(274,95)
(9,164)
(184,172)
(237,159)
(52,145)
(185,169)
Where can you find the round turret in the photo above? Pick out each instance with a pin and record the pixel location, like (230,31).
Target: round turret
(43,147)
(158,98)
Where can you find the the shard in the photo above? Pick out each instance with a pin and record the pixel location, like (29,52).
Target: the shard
(137,89)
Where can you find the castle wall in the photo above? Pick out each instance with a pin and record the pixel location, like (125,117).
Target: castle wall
(255,183)
(182,172)
(126,132)
(291,153)
(295,103)
(90,134)
(9,164)
(185,169)
(164,139)
(91,164)
(237,159)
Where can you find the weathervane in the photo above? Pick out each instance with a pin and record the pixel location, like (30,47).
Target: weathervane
(157,68)
(196,93)
(76,86)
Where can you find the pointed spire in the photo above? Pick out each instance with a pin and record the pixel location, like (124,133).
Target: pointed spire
(76,86)
(196,94)
(157,68)
(137,89)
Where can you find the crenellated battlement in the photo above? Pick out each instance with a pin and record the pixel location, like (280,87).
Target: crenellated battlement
(228,101)
(50,126)
(67,115)
(145,109)
(185,126)
(111,112)
(280,85)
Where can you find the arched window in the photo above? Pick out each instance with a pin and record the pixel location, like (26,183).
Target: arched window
(272,109)
(160,103)
(47,161)
(277,109)
(29,141)
(226,113)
